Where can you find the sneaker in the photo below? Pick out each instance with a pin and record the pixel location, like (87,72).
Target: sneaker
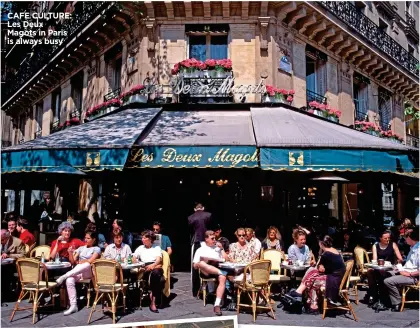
(293,293)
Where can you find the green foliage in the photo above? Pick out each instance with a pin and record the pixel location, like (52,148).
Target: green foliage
(411,111)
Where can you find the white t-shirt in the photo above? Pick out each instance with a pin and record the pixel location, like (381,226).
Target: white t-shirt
(148,255)
(213,252)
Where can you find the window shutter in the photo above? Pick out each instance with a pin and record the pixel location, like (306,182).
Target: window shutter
(321,77)
(110,75)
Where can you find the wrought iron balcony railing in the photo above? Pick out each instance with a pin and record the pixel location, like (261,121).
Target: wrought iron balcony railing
(412,141)
(6,143)
(55,126)
(38,133)
(312,96)
(359,113)
(41,54)
(410,20)
(360,23)
(21,141)
(75,113)
(113,94)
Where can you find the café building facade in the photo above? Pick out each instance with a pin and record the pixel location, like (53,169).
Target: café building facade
(118,121)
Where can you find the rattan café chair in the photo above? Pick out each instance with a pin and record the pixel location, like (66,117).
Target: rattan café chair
(29,271)
(106,273)
(256,282)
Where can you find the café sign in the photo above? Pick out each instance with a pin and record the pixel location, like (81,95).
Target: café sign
(194,156)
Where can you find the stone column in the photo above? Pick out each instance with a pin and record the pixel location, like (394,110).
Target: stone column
(345,100)
(124,77)
(242,52)
(332,85)
(65,101)
(47,115)
(299,73)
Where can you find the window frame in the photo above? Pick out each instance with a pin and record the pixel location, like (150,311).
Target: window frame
(208,36)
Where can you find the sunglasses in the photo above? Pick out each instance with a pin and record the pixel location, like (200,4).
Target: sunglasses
(155,229)
(243,235)
(212,238)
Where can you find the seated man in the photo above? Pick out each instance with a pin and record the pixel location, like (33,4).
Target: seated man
(223,240)
(11,247)
(212,250)
(166,244)
(117,250)
(25,235)
(408,274)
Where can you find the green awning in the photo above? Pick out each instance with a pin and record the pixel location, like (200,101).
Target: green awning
(102,144)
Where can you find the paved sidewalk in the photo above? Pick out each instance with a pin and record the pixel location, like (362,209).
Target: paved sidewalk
(185,306)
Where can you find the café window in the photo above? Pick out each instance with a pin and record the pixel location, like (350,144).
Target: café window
(207,41)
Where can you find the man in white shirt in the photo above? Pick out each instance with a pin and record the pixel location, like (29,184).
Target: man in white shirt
(250,238)
(208,251)
(118,248)
(408,274)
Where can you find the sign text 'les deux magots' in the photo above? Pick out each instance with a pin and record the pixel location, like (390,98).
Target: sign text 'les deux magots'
(172,155)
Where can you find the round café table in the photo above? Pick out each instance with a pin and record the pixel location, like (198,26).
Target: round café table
(379,268)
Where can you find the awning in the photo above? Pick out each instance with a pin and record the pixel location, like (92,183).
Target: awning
(95,146)
(197,139)
(290,140)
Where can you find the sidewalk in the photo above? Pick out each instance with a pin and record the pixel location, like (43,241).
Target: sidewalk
(185,306)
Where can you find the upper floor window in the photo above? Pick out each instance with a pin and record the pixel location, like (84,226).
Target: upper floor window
(383,25)
(56,104)
(77,91)
(316,75)
(385,108)
(360,96)
(113,59)
(208,41)
(409,7)
(411,50)
(39,109)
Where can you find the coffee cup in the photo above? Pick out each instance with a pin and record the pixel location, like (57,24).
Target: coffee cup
(374,262)
(381,262)
(387,263)
(300,263)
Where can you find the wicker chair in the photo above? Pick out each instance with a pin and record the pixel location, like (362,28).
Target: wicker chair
(88,284)
(276,257)
(256,282)
(28,249)
(29,271)
(361,257)
(106,273)
(37,251)
(405,290)
(343,293)
(203,286)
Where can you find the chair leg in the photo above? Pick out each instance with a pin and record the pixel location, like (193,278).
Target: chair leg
(35,306)
(123,292)
(238,300)
(141,295)
(21,296)
(88,296)
(204,287)
(52,297)
(93,306)
(350,307)
(404,291)
(324,307)
(254,305)
(357,294)
(113,309)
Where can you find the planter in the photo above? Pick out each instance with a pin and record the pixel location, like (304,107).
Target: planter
(268,99)
(220,74)
(190,75)
(373,133)
(333,118)
(394,140)
(103,112)
(138,98)
(318,112)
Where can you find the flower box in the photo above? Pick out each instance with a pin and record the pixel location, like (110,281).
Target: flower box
(373,133)
(275,95)
(104,108)
(318,112)
(333,119)
(193,68)
(137,94)
(138,98)
(102,112)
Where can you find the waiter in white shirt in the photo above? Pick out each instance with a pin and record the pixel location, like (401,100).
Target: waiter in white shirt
(212,250)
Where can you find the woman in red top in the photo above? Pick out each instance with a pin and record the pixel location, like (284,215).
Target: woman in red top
(25,235)
(63,242)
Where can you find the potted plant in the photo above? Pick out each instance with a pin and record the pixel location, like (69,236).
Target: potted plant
(317,108)
(137,94)
(368,127)
(333,114)
(106,107)
(73,121)
(222,68)
(391,136)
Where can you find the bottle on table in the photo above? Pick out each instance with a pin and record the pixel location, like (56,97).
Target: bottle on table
(130,259)
(42,257)
(119,258)
(57,258)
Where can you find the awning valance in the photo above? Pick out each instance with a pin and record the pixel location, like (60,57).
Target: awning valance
(289,140)
(197,139)
(98,145)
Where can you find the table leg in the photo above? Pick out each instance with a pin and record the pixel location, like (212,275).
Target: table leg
(63,297)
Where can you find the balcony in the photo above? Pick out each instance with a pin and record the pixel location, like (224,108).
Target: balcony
(410,28)
(55,126)
(41,54)
(113,94)
(38,134)
(21,141)
(411,22)
(6,143)
(359,113)
(312,96)
(372,34)
(412,141)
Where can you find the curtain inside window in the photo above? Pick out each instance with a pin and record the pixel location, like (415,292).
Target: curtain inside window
(218,47)
(198,47)
(311,75)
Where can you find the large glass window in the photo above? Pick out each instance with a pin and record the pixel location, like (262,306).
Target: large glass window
(385,108)
(77,91)
(360,96)
(208,46)
(311,84)
(56,104)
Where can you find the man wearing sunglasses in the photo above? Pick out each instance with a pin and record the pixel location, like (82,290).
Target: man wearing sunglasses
(206,258)
(408,274)
(166,244)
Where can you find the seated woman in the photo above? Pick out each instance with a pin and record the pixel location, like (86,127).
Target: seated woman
(241,251)
(386,250)
(299,251)
(101,238)
(328,273)
(273,239)
(61,245)
(347,243)
(127,235)
(82,257)
(118,248)
(152,256)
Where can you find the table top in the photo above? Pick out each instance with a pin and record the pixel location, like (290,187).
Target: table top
(132,265)
(295,267)
(53,265)
(232,265)
(7,260)
(379,267)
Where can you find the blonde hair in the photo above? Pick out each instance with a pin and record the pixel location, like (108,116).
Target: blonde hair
(407,223)
(297,233)
(250,230)
(277,232)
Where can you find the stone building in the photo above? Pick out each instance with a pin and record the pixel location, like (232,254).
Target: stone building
(356,56)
